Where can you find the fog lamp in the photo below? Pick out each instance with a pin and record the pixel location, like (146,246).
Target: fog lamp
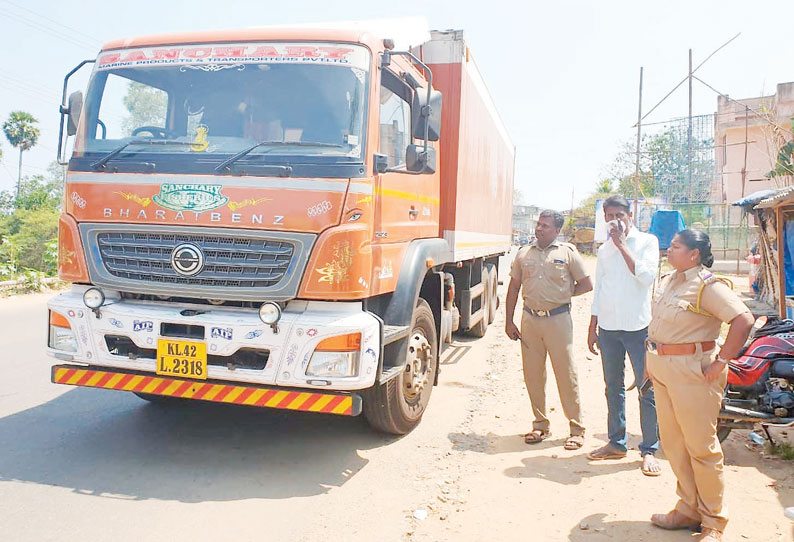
(270,313)
(93,298)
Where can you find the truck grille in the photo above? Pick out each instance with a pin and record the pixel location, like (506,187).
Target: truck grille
(229,261)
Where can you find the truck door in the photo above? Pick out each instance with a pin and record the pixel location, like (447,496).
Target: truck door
(397,209)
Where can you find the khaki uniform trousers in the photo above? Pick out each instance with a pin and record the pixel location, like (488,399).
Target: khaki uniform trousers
(552,335)
(687,407)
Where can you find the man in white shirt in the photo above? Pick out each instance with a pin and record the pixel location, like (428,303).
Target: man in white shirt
(621,311)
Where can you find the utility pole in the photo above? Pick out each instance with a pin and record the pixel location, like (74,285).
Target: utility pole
(637,158)
(744,167)
(689,146)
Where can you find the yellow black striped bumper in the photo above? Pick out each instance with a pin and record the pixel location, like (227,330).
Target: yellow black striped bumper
(344,404)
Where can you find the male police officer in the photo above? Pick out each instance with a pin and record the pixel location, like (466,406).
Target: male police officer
(550,272)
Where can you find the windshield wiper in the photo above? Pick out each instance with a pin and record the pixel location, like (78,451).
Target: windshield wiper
(112,154)
(229,161)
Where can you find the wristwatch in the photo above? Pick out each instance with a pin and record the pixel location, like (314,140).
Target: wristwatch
(721,359)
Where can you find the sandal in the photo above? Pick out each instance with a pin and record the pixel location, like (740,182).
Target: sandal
(605,452)
(574,442)
(536,435)
(648,465)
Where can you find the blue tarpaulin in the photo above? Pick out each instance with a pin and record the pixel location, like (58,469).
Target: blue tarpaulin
(748,202)
(788,251)
(665,224)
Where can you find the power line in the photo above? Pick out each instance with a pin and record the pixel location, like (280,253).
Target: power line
(687,77)
(758,114)
(51,97)
(49,30)
(90,40)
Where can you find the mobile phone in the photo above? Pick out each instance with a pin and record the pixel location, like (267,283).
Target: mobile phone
(616,224)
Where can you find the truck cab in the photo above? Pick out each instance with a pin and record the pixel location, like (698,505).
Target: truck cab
(253,216)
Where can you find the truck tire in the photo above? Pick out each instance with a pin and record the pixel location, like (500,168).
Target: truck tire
(481,327)
(397,406)
(493,304)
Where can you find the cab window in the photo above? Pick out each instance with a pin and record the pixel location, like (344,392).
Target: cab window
(395,119)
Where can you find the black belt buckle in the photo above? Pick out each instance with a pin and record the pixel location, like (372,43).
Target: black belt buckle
(650,346)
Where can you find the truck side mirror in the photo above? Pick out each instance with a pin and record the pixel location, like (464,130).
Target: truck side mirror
(73,112)
(424,113)
(419,160)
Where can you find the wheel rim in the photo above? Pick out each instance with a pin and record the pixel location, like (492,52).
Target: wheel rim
(418,367)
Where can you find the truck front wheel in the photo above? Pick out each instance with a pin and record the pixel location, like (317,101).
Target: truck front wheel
(397,406)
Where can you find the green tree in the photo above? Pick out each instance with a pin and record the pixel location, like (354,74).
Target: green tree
(36,192)
(21,132)
(784,164)
(147,106)
(29,224)
(29,236)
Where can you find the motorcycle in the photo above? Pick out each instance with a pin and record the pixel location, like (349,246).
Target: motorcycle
(761,380)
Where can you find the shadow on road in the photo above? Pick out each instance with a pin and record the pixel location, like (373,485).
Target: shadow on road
(568,470)
(739,453)
(599,530)
(107,443)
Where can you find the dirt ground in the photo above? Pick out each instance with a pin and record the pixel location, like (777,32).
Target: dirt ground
(494,487)
(98,465)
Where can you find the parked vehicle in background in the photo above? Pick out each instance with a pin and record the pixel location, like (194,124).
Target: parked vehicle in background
(280,218)
(761,381)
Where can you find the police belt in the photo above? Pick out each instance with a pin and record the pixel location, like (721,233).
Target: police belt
(559,310)
(684,349)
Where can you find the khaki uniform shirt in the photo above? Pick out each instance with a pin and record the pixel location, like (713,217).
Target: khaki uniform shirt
(673,323)
(548,275)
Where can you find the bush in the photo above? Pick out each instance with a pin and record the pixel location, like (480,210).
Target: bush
(30,240)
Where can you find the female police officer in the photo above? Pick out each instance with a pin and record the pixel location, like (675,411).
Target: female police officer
(689,306)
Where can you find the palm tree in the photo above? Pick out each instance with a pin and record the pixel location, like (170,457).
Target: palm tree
(604,187)
(22,133)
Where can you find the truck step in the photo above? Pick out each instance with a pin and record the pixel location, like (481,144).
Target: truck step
(390,373)
(394,333)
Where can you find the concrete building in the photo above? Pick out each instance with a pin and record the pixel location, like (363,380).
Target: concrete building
(525,218)
(734,124)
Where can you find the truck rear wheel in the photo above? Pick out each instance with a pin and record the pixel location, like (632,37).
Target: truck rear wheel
(493,302)
(481,327)
(397,406)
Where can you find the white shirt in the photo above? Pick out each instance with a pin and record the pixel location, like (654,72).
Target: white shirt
(622,299)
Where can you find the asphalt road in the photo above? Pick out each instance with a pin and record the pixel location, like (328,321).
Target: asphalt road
(87,464)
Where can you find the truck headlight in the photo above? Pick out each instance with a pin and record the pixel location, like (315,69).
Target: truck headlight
(325,364)
(61,335)
(336,357)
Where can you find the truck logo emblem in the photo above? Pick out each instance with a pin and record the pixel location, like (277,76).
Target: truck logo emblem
(190,197)
(187,260)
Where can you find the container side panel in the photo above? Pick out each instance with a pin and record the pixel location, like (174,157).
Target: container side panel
(485,169)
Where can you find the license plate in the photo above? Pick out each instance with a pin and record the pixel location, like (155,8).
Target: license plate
(182,358)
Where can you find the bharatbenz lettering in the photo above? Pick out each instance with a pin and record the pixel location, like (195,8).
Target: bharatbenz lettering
(276,218)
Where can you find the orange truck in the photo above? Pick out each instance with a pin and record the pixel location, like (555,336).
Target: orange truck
(281,218)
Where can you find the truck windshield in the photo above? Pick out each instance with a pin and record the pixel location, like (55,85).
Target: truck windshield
(308,99)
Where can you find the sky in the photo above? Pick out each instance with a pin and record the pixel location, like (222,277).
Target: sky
(564,75)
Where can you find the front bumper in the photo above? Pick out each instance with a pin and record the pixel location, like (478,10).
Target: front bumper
(215,391)
(227,330)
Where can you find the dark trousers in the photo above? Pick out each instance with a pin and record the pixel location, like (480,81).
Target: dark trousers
(614,345)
